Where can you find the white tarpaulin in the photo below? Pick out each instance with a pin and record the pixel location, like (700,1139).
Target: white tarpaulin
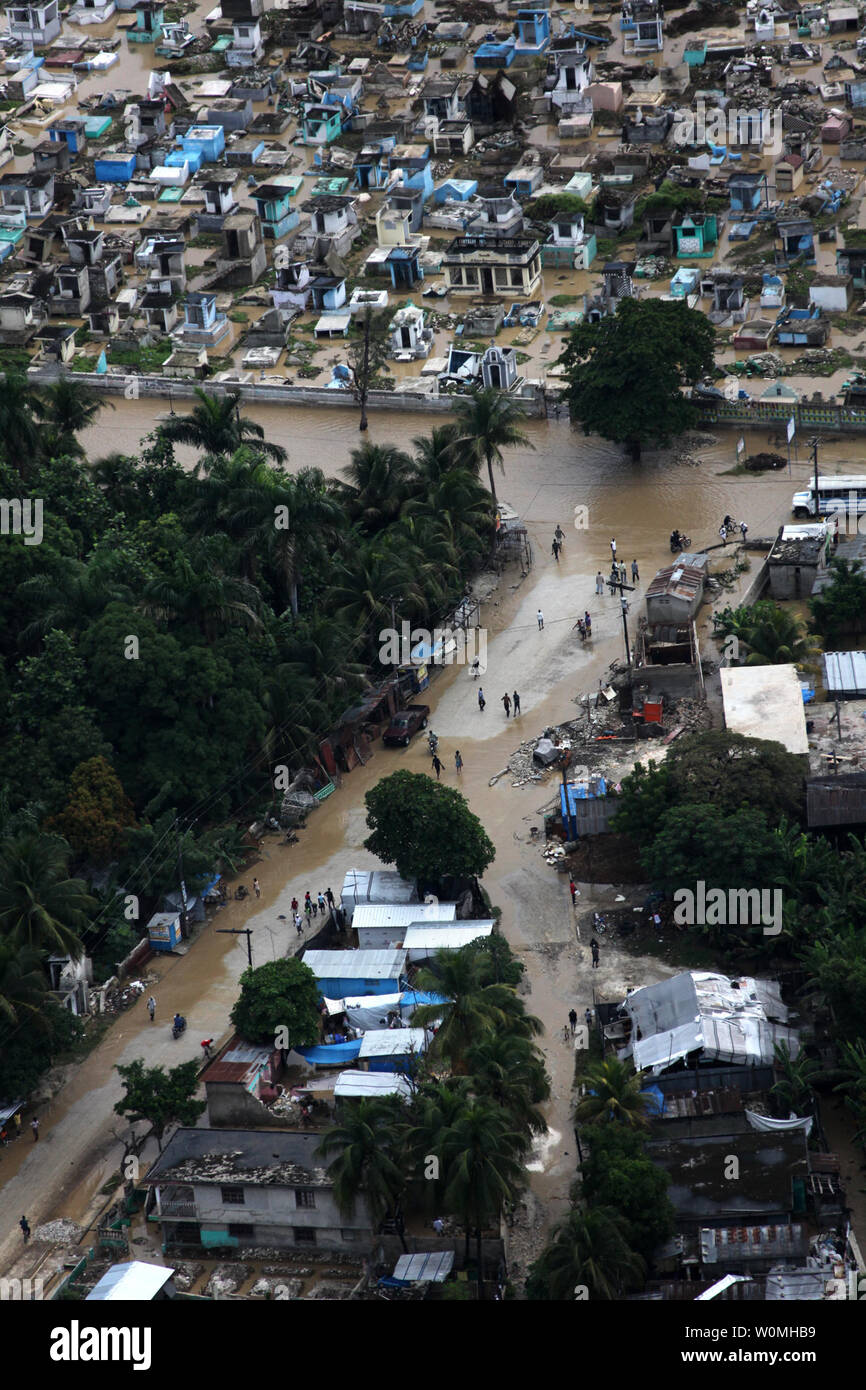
(768,1126)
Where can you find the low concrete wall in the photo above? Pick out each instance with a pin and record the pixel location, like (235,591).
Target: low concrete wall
(135,386)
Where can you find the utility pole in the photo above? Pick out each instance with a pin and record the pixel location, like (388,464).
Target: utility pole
(813,444)
(365,375)
(624,602)
(181,883)
(240,931)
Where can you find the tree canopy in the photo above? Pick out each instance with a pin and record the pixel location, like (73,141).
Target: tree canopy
(426,829)
(278,1000)
(626,373)
(162,1097)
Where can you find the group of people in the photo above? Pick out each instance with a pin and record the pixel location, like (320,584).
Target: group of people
(508,702)
(572,1019)
(584,626)
(729,526)
(323,903)
(558,540)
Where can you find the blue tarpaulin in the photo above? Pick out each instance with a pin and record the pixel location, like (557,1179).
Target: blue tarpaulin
(333,1055)
(658,1106)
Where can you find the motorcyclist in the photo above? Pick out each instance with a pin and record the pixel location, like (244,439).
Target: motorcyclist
(433,741)
(178,1024)
(675,540)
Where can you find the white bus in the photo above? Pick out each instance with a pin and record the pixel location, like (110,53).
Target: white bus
(845,492)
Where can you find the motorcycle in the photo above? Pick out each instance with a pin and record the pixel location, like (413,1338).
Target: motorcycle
(432,743)
(178,1026)
(681,543)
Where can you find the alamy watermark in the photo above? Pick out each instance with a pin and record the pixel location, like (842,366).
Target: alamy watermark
(760,126)
(444,646)
(22,516)
(731,907)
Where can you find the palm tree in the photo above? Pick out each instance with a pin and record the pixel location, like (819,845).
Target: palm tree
(434,455)
(197,592)
(72,598)
(22,982)
(68,409)
(216,426)
(378,479)
(589,1251)
(488,421)
(369,1148)
(612,1091)
(40,906)
(470,1009)
(482,1155)
(795,1087)
(774,636)
(853,1066)
(20,411)
(375,573)
(508,1070)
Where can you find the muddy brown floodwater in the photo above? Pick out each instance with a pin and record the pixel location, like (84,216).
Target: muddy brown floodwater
(637,504)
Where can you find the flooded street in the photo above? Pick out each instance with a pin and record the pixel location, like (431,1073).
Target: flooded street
(639,505)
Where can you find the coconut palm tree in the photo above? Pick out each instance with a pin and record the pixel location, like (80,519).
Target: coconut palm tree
(20,412)
(198,592)
(509,1071)
(434,455)
(22,982)
(68,408)
(589,1251)
(377,482)
(482,1153)
(70,598)
(40,906)
(369,1159)
(470,1009)
(374,573)
(488,421)
(612,1091)
(215,426)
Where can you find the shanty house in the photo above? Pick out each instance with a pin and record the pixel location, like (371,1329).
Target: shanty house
(339,973)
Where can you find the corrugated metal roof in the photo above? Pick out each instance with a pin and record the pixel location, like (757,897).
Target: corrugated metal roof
(427,1269)
(137,1281)
(836,800)
(445,938)
(730,1020)
(351,1085)
(356,965)
(401,914)
(392,1042)
(679,581)
(845,673)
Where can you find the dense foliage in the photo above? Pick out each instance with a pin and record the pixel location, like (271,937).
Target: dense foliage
(169,635)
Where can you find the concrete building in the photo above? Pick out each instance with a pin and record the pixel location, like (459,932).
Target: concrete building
(765,702)
(507,266)
(240,1188)
(800,554)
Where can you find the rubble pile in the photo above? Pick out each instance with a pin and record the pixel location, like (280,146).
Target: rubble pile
(60,1232)
(227,1279)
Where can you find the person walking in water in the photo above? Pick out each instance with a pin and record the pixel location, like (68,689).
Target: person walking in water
(540,616)
(151,1007)
(581,627)
(516,702)
(587,622)
(458,762)
(554,550)
(437,766)
(593,946)
(613,550)
(257,888)
(572,1020)
(506,704)
(25,1228)
(481,700)
(298,928)
(599,583)
(635,573)
(743,529)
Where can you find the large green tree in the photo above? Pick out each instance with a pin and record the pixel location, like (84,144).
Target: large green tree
(162,1097)
(840,608)
(216,426)
(426,829)
(618,1174)
(613,1093)
(367,1152)
(278,999)
(626,373)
